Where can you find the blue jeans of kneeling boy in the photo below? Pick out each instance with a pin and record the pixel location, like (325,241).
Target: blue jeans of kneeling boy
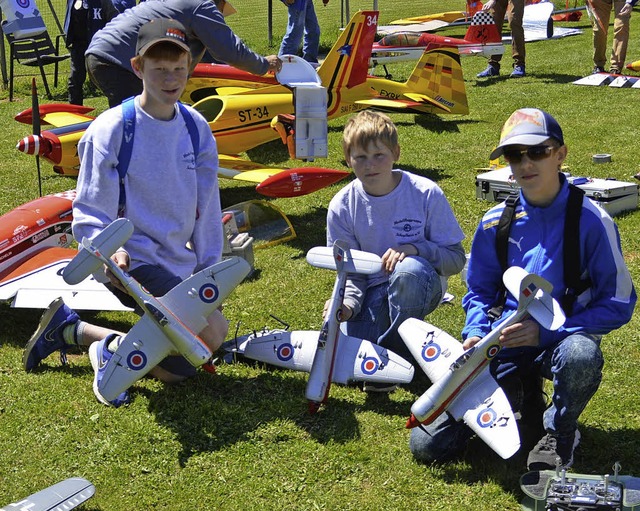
(574,365)
(413,290)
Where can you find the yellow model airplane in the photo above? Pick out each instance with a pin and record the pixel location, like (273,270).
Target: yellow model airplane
(241,108)
(436,85)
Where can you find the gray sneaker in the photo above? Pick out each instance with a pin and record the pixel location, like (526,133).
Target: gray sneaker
(546,452)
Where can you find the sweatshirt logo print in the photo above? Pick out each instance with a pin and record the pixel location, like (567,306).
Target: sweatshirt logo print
(517,243)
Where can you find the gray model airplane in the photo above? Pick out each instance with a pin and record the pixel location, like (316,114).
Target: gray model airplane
(65,495)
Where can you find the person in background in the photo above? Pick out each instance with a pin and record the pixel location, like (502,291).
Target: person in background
(302,21)
(600,15)
(112,48)
(515,15)
(82,20)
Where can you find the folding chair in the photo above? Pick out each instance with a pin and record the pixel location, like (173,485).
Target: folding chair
(36,50)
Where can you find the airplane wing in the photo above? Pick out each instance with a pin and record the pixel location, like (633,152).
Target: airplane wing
(361,360)
(139,351)
(289,350)
(36,282)
(195,298)
(484,407)
(274,181)
(413,100)
(57,114)
(434,349)
(67,494)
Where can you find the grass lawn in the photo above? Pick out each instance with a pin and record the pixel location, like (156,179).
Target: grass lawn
(242,439)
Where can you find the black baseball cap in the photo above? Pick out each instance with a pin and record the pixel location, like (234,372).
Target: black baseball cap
(159,30)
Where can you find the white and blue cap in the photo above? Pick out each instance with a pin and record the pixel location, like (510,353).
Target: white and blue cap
(528,126)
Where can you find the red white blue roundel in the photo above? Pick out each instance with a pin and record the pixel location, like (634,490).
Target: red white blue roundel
(493,350)
(208,293)
(370,365)
(486,418)
(431,351)
(136,360)
(285,351)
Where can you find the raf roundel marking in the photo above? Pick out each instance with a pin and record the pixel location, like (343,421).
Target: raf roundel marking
(136,360)
(285,352)
(493,350)
(370,365)
(208,293)
(23,3)
(486,418)
(431,351)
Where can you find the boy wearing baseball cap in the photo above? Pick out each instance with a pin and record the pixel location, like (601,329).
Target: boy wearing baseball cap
(169,192)
(532,142)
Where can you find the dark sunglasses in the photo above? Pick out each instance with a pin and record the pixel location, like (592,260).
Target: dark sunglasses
(534,153)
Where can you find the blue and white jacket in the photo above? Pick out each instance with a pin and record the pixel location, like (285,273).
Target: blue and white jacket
(536,244)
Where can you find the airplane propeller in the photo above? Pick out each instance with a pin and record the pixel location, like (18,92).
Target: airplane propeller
(35,124)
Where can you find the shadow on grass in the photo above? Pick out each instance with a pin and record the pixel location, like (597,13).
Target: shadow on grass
(208,413)
(596,454)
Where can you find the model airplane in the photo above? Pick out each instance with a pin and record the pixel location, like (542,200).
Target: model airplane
(64,495)
(617,81)
(328,355)
(34,248)
(462,384)
(549,490)
(170,323)
(436,85)
(59,144)
(482,38)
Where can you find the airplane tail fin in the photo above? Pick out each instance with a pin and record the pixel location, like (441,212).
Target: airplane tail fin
(534,295)
(483,29)
(347,63)
(438,75)
(106,243)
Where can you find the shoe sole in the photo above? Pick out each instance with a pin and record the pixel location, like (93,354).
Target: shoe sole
(94,357)
(45,319)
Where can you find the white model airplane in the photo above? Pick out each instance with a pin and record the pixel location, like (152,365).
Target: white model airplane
(67,494)
(328,355)
(170,323)
(462,384)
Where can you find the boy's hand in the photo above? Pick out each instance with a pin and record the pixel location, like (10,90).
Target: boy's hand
(526,333)
(344,313)
(275,64)
(471,342)
(121,258)
(394,255)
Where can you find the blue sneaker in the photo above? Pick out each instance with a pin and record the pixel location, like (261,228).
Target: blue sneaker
(48,337)
(518,71)
(490,71)
(100,355)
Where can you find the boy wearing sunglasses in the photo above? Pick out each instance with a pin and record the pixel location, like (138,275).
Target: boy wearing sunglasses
(533,143)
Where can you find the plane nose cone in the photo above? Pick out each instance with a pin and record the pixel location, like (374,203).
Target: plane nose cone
(34,144)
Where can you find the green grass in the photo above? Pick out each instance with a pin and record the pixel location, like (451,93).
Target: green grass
(242,439)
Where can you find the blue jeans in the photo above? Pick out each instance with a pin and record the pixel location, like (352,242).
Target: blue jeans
(574,366)
(302,22)
(412,291)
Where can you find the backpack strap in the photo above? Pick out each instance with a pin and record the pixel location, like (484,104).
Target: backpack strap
(126,147)
(571,251)
(502,243)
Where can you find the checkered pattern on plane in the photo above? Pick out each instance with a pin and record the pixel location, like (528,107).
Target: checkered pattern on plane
(482,18)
